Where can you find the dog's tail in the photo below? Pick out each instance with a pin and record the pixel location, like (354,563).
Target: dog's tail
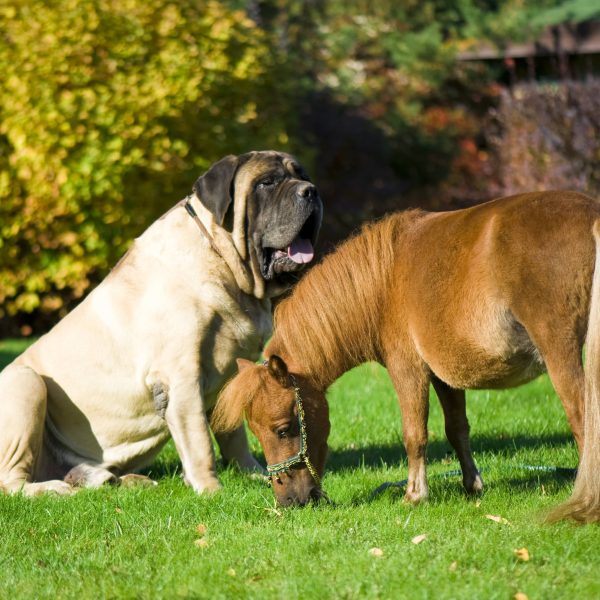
(584,503)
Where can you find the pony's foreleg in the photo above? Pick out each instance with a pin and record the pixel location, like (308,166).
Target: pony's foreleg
(412,386)
(457,431)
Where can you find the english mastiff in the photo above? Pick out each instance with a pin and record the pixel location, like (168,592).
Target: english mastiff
(144,356)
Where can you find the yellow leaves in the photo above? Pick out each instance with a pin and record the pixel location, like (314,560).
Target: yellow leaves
(522,554)
(521,596)
(419,538)
(497,519)
(134,100)
(201,542)
(376,552)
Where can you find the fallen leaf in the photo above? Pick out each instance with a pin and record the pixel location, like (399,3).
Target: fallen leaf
(453,566)
(497,519)
(118,510)
(231,572)
(418,538)
(201,529)
(520,596)
(477,503)
(201,543)
(522,554)
(378,552)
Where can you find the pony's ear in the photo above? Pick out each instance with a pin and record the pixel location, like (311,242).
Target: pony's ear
(215,188)
(243,363)
(279,370)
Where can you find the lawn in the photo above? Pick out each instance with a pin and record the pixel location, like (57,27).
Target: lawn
(145,543)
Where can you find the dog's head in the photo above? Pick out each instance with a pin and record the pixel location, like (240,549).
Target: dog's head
(271,208)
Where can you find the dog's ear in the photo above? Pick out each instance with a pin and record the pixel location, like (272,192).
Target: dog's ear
(279,370)
(215,188)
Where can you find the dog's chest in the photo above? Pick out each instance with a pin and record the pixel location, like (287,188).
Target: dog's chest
(241,333)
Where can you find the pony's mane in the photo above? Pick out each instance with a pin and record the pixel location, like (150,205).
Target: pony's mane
(234,398)
(331,321)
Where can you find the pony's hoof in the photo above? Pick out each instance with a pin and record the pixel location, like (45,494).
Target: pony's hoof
(475,486)
(414,498)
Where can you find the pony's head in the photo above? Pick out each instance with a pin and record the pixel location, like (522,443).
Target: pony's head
(289,417)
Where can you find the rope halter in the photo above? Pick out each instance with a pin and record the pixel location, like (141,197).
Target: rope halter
(302,455)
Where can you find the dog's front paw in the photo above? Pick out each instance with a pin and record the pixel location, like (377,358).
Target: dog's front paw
(204,485)
(248,464)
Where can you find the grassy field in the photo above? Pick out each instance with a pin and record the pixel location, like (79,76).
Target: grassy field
(145,543)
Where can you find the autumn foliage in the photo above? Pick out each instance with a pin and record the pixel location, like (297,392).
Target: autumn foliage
(108,111)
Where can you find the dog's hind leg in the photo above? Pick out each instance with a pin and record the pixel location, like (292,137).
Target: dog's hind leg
(23,397)
(90,476)
(95,476)
(457,431)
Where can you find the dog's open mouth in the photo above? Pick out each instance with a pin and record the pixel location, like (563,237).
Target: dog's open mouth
(295,256)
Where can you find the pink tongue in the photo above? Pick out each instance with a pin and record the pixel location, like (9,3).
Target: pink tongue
(301,251)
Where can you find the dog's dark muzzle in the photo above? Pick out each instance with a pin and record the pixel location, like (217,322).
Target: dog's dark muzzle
(297,250)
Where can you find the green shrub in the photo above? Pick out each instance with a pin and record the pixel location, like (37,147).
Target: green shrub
(109,110)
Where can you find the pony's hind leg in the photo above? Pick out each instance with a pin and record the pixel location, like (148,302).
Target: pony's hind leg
(565,369)
(22,415)
(457,431)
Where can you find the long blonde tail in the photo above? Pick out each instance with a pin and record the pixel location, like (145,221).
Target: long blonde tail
(584,503)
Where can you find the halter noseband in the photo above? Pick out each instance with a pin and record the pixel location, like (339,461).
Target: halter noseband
(302,455)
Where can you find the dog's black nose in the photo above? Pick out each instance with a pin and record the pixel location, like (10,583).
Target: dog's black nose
(307,192)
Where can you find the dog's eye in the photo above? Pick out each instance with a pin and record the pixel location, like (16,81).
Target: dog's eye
(263,183)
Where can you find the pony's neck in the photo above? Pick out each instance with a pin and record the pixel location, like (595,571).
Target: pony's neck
(331,323)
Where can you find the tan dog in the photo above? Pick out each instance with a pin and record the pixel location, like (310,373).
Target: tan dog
(486,297)
(145,354)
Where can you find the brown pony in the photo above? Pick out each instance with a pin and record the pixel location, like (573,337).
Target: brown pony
(486,297)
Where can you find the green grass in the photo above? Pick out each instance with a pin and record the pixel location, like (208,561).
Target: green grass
(123,543)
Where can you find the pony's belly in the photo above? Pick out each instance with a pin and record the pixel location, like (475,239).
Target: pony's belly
(498,355)
(490,372)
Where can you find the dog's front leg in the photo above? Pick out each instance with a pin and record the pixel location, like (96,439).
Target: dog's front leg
(234,450)
(188,425)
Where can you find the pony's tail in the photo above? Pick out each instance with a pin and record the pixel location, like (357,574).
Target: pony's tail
(584,503)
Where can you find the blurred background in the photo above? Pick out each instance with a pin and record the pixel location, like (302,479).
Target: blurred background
(110,109)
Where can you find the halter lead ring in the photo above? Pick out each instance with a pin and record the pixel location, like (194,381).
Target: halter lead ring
(302,455)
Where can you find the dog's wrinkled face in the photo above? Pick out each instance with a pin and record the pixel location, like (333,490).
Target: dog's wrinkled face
(268,196)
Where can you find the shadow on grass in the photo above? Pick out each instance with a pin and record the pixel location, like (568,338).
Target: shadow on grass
(513,477)
(444,484)
(516,477)
(374,456)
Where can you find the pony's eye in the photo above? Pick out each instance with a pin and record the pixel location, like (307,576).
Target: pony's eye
(282,432)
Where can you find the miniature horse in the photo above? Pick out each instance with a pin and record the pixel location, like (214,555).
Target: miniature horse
(486,297)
